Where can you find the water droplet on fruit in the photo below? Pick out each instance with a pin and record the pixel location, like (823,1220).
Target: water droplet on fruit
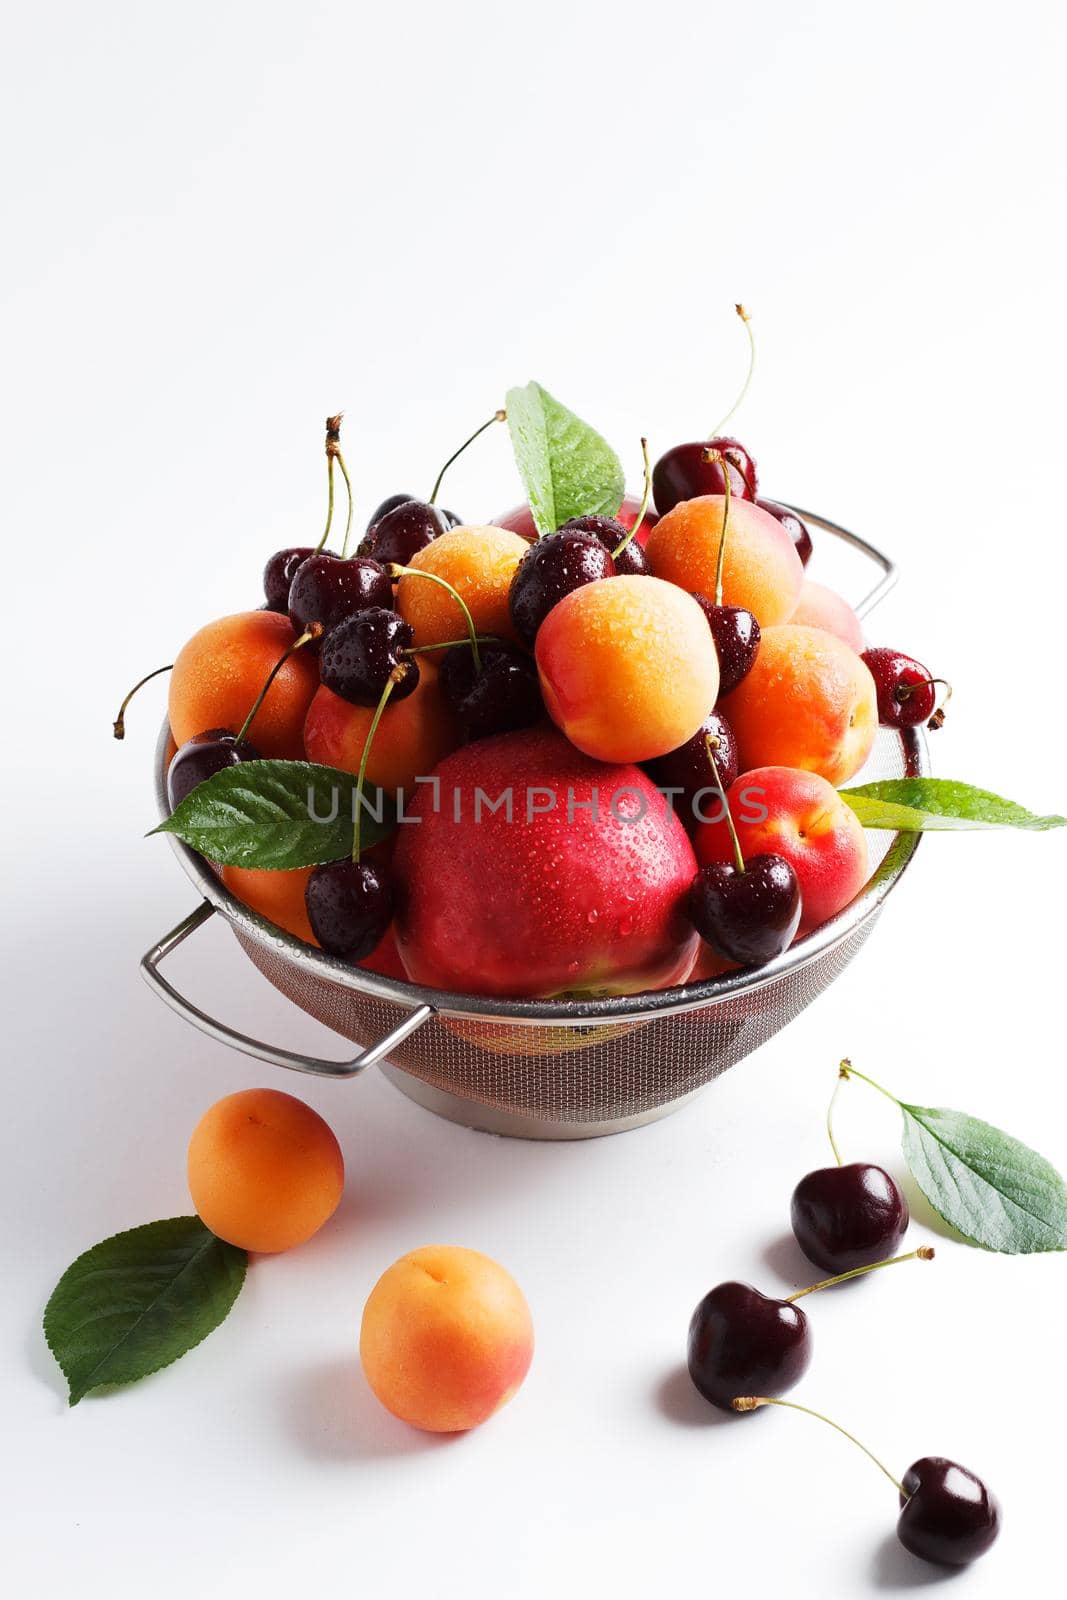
(592,916)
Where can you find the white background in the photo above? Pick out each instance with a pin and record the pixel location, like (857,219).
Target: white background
(225,220)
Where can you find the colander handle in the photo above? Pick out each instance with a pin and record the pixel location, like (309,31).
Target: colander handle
(274,1054)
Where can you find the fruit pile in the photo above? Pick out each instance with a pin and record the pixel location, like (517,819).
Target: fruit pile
(596,745)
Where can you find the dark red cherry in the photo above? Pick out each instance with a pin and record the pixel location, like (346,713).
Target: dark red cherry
(201,757)
(629,562)
(849,1216)
(550,569)
(948,1515)
(390,503)
(794,527)
(504,696)
(350,906)
(327,589)
(406,530)
(685,472)
(737,634)
(278,575)
(689,770)
(363,652)
(743,1342)
(906,692)
(748,917)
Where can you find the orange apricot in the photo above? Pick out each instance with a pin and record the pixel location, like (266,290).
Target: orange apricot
(479,563)
(761,568)
(220,671)
(413,735)
(278,896)
(265,1171)
(808,701)
(628,667)
(820,607)
(446,1338)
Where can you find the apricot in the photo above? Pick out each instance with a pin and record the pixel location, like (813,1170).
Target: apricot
(220,671)
(278,896)
(446,1338)
(808,701)
(265,1171)
(412,736)
(820,607)
(479,563)
(628,667)
(800,816)
(761,568)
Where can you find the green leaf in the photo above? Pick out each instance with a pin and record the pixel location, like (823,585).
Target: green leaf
(924,805)
(139,1300)
(991,1188)
(567,468)
(277,815)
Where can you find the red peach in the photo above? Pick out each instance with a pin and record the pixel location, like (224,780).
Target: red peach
(808,701)
(798,815)
(761,568)
(446,1338)
(820,607)
(582,889)
(628,667)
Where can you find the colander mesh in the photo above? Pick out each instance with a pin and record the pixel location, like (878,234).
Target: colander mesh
(595,1073)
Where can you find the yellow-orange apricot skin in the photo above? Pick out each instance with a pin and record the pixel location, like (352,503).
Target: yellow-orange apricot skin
(278,896)
(413,735)
(479,563)
(220,671)
(808,701)
(446,1338)
(761,568)
(265,1171)
(628,667)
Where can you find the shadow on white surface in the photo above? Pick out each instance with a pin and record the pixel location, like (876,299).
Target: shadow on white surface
(784,1257)
(895,1568)
(678,1401)
(330,1414)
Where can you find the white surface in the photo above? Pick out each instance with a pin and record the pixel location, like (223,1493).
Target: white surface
(224,221)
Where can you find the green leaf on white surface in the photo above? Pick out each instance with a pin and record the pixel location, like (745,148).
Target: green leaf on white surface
(137,1301)
(567,468)
(925,805)
(990,1187)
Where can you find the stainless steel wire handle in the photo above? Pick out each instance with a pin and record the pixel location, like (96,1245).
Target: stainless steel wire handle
(274,1054)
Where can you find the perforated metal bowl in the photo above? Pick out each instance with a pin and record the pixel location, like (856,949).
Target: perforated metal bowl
(547,1069)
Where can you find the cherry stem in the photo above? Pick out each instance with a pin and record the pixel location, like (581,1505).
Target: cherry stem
(449,644)
(925,1252)
(717,455)
(397,571)
(710,745)
(357,825)
(274,671)
(830,1117)
(646,496)
(333,434)
(119,724)
(752,1402)
(747,320)
(847,1070)
(498,416)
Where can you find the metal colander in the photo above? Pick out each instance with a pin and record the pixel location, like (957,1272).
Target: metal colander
(564,1069)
